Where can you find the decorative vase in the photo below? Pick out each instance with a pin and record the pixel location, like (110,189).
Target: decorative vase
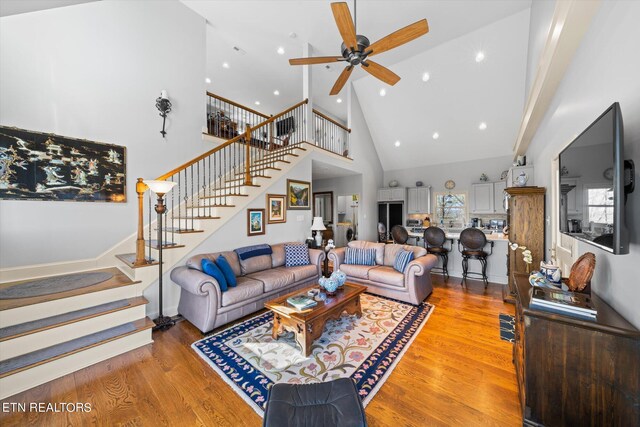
(339,277)
(330,285)
(393,183)
(521,180)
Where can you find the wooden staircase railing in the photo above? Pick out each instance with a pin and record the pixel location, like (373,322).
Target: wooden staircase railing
(330,134)
(228,119)
(209,181)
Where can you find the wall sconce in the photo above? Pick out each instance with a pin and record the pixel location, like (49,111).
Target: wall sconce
(164,106)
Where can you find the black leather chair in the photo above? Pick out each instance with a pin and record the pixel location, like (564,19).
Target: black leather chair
(399,234)
(334,403)
(471,245)
(434,243)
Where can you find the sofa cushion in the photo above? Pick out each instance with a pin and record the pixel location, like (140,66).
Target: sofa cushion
(303,272)
(256,263)
(403,258)
(379,247)
(386,275)
(223,264)
(296,254)
(209,267)
(357,271)
(360,256)
(391,251)
(195,261)
(247,288)
(276,278)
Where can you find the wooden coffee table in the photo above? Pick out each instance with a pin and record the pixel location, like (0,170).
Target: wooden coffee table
(308,325)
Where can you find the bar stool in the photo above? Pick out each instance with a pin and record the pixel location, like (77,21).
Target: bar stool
(399,234)
(471,245)
(434,240)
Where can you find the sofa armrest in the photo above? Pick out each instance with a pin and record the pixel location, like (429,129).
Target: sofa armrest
(336,256)
(195,281)
(420,266)
(316,256)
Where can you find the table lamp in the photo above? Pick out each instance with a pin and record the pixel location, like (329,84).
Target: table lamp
(318,227)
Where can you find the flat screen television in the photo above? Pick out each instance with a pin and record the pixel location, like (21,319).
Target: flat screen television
(592,184)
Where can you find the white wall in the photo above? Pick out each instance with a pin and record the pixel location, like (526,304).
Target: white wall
(93,71)
(605,69)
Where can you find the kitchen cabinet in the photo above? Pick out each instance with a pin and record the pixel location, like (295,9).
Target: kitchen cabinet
(419,200)
(498,197)
(395,194)
(574,197)
(342,204)
(482,198)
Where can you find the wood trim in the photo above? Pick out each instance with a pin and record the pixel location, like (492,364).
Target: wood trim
(571,19)
(235,104)
(525,190)
(318,113)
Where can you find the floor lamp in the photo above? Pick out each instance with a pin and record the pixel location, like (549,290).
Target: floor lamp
(160,188)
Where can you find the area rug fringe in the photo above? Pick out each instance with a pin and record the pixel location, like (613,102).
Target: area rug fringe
(375,390)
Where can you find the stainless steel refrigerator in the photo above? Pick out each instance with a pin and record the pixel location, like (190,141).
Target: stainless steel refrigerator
(390,214)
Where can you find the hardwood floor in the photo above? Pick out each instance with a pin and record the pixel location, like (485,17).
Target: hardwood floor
(456,372)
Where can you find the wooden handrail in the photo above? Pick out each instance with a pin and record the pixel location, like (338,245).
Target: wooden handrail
(228,101)
(331,120)
(229,142)
(277,116)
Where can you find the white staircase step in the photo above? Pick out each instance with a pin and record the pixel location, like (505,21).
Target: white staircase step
(75,356)
(35,335)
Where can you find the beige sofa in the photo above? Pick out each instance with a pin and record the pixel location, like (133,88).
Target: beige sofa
(260,279)
(413,286)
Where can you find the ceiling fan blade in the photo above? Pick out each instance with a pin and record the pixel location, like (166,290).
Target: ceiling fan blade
(345,24)
(380,72)
(315,60)
(342,79)
(400,37)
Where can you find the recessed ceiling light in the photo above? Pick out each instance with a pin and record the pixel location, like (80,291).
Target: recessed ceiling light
(207,80)
(276,92)
(397,144)
(225,65)
(425,77)
(383,92)
(480,56)
(339,100)
(436,135)
(482,126)
(280,50)
(257,102)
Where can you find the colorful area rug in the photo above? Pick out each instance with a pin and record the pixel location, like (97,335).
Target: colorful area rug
(507,327)
(364,349)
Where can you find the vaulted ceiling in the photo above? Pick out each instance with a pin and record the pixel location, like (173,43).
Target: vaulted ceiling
(460,94)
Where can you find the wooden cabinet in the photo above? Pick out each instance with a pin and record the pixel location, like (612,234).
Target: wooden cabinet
(482,198)
(526,227)
(419,200)
(574,372)
(395,194)
(498,197)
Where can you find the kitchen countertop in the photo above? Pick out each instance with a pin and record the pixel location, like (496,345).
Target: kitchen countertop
(496,237)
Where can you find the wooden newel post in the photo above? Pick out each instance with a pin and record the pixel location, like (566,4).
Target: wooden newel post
(247,161)
(141,188)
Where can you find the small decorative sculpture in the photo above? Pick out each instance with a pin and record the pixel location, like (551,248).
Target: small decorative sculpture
(330,285)
(521,180)
(339,277)
(484,177)
(581,272)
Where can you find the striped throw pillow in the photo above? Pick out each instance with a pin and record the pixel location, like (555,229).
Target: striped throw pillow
(359,256)
(403,258)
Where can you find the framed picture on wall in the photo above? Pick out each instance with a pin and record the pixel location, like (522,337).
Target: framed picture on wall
(255,222)
(276,208)
(298,195)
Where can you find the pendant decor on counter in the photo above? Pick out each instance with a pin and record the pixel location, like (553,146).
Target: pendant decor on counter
(45,166)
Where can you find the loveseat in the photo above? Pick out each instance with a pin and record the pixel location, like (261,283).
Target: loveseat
(412,286)
(259,278)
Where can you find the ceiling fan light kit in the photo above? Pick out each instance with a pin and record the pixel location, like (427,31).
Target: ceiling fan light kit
(357,48)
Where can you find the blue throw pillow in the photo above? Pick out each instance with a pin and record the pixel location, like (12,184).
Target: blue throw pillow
(403,258)
(209,267)
(295,255)
(226,269)
(357,256)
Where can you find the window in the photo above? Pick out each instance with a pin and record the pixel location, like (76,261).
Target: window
(600,205)
(451,208)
